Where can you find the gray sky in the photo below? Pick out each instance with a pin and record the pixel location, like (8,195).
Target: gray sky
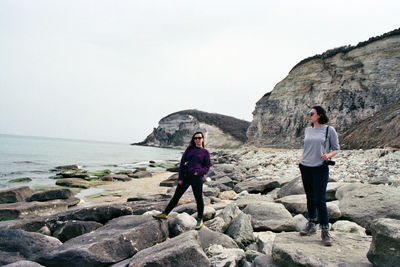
(110,70)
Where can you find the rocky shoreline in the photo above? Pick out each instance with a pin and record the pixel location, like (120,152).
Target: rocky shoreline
(254,207)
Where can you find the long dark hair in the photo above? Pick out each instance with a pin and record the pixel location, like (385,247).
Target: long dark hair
(323,118)
(192,143)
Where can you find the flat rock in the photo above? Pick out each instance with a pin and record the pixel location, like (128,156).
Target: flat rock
(31,209)
(256,186)
(291,249)
(51,195)
(385,246)
(268,216)
(247,199)
(141,174)
(363,203)
(331,190)
(16,194)
(18,245)
(348,227)
(121,177)
(119,239)
(171,181)
(183,250)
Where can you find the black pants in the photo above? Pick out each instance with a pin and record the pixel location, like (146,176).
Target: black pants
(315,181)
(197,186)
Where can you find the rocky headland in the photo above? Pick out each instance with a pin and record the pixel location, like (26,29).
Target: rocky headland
(353,83)
(176,130)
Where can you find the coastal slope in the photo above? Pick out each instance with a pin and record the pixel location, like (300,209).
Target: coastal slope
(176,130)
(351,82)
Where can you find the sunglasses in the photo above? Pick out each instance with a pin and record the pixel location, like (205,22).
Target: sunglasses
(197,138)
(311,114)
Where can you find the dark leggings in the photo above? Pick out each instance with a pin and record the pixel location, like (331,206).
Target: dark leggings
(315,181)
(197,186)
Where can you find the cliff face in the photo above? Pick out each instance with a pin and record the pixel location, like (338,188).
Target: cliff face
(379,130)
(176,130)
(351,83)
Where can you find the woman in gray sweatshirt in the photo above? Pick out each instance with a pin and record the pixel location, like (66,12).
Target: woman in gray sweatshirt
(320,145)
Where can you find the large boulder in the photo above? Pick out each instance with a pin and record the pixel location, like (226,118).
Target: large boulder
(119,239)
(100,213)
(291,249)
(268,216)
(224,257)
(385,246)
(51,194)
(16,245)
(257,186)
(245,199)
(180,223)
(209,237)
(183,250)
(294,187)
(66,230)
(240,230)
(31,209)
(348,227)
(362,203)
(23,263)
(16,194)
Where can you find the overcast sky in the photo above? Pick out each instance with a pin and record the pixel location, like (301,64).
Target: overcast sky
(110,70)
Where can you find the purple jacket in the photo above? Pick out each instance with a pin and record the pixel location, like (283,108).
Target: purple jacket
(198,160)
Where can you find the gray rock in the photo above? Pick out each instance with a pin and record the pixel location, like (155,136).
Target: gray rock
(223,257)
(362,203)
(291,249)
(217,224)
(51,195)
(230,212)
(209,237)
(348,227)
(263,261)
(331,190)
(23,263)
(300,222)
(180,223)
(240,230)
(227,195)
(256,186)
(16,245)
(141,174)
(29,225)
(66,230)
(294,187)
(267,216)
(246,199)
(16,194)
(265,240)
(208,214)
(183,250)
(119,239)
(225,180)
(211,191)
(100,213)
(31,209)
(121,177)
(385,246)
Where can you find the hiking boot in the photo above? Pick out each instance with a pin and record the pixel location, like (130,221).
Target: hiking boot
(309,230)
(161,215)
(326,237)
(199,224)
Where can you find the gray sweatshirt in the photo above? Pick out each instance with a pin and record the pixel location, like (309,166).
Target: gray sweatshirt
(314,139)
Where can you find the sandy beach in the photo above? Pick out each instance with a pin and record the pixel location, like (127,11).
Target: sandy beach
(117,192)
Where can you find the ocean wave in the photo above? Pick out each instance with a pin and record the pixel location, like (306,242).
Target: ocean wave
(27,162)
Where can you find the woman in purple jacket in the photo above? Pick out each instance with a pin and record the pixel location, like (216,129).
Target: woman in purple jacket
(195,163)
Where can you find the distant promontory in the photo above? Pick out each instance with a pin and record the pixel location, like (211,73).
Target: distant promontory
(176,130)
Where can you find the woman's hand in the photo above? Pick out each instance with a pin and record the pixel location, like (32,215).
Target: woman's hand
(324,156)
(180,181)
(195,173)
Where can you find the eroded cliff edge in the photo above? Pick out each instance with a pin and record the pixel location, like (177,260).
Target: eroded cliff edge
(351,82)
(176,130)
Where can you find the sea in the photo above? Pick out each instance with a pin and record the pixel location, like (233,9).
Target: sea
(36,157)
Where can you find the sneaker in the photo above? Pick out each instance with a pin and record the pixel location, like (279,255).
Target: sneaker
(199,224)
(161,215)
(326,237)
(309,230)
